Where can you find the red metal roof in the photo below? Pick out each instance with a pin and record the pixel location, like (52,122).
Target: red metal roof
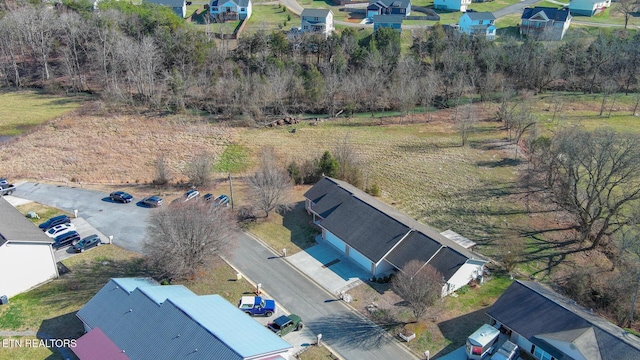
(95,345)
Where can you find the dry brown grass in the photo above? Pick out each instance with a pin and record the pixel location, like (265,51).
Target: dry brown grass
(110,150)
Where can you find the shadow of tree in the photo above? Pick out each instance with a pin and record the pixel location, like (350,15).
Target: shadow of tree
(86,278)
(298,222)
(349,330)
(458,329)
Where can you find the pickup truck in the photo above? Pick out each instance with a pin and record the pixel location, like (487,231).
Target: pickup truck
(6,188)
(256,305)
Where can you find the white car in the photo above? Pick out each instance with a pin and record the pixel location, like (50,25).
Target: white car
(60,229)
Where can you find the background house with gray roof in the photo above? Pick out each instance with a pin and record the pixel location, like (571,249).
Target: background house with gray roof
(145,320)
(178,6)
(382,240)
(26,256)
(548,325)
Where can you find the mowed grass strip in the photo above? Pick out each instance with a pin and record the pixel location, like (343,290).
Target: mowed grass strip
(22,110)
(11,350)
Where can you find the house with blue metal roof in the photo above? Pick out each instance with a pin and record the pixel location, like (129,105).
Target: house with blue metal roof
(125,315)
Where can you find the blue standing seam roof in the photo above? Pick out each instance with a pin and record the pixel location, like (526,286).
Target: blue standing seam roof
(161,293)
(230,325)
(130,284)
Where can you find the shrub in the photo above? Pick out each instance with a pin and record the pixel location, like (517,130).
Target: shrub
(373,190)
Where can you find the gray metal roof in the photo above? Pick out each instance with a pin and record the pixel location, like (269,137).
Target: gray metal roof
(543,316)
(192,327)
(375,228)
(321,13)
(480,15)
(15,227)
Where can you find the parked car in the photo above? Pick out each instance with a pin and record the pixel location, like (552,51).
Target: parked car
(222,200)
(56,220)
(508,351)
(87,243)
(152,201)
(191,194)
(121,196)
(60,229)
(6,188)
(208,197)
(256,305)
(68,238)
(285,324)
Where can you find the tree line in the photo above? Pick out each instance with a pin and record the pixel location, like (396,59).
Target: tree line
(146,55)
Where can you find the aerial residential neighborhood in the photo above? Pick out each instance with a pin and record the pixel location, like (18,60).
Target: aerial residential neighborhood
(299,179)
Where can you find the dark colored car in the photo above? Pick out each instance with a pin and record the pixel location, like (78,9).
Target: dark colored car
(67,238)
(152,201)
(87,243)
(121,196)
(56,220)
(208,197)
(285,324)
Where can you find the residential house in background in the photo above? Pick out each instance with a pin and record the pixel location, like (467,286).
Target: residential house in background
(387,21)
(26,255)
(225,10)
(545,23)
(381,239)
(137,318)
(453,5)
(319,21)
(478,24)
(588,7)
(388,7)
(548,326)
(178,6)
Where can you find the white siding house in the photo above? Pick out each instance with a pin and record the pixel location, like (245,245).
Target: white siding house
(26,255)
(319,21)
(224,10)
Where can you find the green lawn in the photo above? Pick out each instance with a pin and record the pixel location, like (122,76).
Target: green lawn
(548,4)
(291,230)
(492,5)
(609,16)
(22,110)
(270,18)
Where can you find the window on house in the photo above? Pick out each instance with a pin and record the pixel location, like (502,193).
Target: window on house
(541,354)
(243,9)
(214,9)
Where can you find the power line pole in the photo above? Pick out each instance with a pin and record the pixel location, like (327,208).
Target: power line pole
(231,190)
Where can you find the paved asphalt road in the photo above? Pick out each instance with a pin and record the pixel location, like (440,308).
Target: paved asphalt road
(352,336)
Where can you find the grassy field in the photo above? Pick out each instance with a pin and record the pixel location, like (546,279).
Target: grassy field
(23,110)
(271,17)
(317,353)
(492,5)
(51,307)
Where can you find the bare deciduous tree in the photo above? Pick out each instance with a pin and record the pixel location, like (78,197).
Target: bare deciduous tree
(594,176)
(626,8)
(199,170)
(162,173)
(186,237)
(350,164)
(419,285)
(270,187)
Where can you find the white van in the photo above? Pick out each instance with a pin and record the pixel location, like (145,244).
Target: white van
(480,343)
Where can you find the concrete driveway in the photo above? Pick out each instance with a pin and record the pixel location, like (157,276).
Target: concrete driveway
(125,222)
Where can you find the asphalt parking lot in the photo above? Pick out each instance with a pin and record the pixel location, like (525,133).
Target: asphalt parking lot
(125,222)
